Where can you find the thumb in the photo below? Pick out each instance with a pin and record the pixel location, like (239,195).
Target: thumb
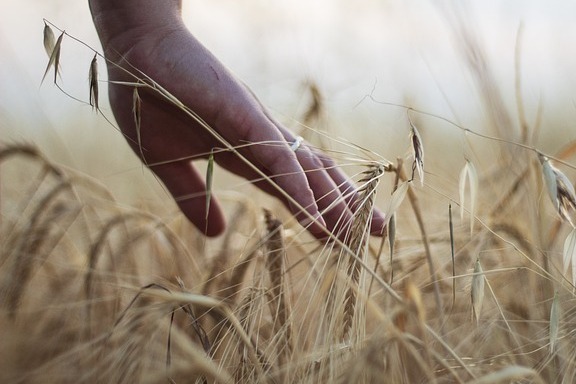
(189,190)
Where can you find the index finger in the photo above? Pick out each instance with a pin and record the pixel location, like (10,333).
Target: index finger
(280,162)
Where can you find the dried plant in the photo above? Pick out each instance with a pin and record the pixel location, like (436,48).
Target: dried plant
(357,240)
(469,176)
(93,80)
(275,263)
(96,291)
(569,255)
(54,48)
(477,291)
(417,152)
(560,189)
(554,322)
(49,40)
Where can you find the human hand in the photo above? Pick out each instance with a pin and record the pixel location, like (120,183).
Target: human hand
(149,37)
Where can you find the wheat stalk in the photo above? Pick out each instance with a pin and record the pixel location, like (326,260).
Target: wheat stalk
(357,239)
(275,263)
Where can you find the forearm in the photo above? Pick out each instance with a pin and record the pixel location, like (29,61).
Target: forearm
(115,18)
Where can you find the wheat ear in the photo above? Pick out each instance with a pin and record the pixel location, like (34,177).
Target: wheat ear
(275,263)
(357,239)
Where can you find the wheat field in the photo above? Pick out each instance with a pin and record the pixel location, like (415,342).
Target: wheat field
(473,281)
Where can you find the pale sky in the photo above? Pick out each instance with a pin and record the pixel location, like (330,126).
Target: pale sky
(396,49)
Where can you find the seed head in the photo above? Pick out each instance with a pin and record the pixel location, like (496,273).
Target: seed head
(559,187)
(417,151)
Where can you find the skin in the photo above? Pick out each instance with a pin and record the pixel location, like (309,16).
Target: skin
(149,35)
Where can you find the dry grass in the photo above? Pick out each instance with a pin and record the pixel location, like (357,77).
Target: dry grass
(92,291)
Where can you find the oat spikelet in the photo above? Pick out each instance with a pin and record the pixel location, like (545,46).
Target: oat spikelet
(275,260)
(417,152)
(54,59)
(49,39)
(396,199)
(93,80)
(470,175)
(477,291)
(358,236)
(560,189)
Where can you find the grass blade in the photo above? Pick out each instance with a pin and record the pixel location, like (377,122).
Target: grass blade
(137,112)
(554,321)
(510,374)
(569,255)
(391,227)
(477,291)
(275,264)
(209,178)
(452,254)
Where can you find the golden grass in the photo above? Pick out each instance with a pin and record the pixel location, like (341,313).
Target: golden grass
(94,291)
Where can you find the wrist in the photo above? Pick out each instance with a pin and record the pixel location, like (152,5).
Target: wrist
(120,24)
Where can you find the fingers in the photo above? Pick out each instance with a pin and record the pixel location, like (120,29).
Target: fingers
(282,167)
(333,191)
(230,162)
(189,191)
(331,202)
(349,192)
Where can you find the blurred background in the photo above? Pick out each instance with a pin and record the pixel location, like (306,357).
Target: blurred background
(399,52)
